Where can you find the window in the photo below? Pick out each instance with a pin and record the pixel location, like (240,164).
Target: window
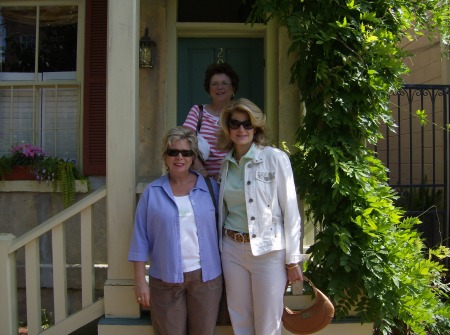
(39,87)
(214,10)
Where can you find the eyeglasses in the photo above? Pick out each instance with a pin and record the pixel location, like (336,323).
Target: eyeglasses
(235,124)
(216,84)
(175,153)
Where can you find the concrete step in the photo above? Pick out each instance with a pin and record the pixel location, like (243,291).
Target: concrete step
(126,326)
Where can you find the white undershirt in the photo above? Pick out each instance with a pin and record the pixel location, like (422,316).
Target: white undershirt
(190,250)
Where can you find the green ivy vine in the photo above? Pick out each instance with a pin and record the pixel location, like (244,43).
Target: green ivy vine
(62,174)
(66,182)
(368,257)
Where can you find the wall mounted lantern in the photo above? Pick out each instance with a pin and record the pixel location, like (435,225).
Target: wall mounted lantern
(146,51)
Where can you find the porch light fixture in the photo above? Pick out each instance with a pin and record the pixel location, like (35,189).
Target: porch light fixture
(146,51)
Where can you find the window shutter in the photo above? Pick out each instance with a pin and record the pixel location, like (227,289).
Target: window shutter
(94,121)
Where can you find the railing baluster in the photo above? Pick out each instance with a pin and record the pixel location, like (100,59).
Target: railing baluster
(87,261)
(33,285)
(59,272)
(8,287)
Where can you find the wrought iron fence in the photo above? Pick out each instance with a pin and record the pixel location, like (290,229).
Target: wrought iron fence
(416,154)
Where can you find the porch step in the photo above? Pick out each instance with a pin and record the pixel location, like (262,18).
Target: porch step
(126,326)
(343,327)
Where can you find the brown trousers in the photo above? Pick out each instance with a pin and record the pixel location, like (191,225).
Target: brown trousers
(189,308)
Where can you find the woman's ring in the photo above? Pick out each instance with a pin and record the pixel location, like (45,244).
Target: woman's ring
(139,298)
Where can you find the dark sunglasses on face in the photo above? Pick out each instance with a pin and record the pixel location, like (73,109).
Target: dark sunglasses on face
(175,153)
(235,124)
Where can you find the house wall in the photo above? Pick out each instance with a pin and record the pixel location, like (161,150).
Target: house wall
(153,92)
(427,64)
(21,211)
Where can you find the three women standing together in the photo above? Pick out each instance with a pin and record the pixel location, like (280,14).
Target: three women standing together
(258,231)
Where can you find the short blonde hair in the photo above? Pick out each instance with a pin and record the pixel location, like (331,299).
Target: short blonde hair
(257,118)
(176,134)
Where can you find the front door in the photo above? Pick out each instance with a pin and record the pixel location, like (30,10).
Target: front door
(245,55)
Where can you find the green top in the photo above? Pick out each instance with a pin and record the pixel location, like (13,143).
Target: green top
(234,193)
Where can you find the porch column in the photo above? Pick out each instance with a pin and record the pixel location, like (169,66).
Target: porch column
(8,287)
(122,114)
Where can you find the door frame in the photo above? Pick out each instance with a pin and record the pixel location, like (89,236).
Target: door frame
(269,33)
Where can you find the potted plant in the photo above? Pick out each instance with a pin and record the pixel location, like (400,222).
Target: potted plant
(29,162)
(20,162)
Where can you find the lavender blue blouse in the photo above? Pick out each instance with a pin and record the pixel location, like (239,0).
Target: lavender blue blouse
(156,232)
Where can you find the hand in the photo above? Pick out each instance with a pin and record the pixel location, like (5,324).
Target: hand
(294,273)
(141,289)
(142,292)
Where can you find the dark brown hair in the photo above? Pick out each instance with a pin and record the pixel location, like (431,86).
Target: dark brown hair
(221,68)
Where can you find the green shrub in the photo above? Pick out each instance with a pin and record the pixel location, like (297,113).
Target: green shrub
(367,256)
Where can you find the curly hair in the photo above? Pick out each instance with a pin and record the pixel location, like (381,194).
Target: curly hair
(257,118)
(221,68)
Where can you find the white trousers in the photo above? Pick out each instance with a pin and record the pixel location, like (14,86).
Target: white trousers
(255,288)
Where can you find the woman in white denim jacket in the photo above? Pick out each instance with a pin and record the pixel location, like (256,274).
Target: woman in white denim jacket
(260,221)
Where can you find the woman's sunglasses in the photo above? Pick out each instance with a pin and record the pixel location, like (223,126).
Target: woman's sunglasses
(175,153)
(235,124)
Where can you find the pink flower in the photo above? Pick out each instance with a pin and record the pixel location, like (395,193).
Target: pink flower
(26,154)
(28,150)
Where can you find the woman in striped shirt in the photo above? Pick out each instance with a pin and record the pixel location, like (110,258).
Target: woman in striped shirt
(221,82)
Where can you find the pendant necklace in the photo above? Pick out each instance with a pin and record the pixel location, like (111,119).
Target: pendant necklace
(214,110)
(216,114)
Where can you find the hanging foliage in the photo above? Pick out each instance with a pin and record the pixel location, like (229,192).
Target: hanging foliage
(367,256)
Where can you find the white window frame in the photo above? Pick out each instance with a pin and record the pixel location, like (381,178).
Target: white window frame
(41,84)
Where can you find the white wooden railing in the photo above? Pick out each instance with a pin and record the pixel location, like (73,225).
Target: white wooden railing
(10,245)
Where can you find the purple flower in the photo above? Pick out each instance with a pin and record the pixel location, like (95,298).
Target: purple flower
(26,154)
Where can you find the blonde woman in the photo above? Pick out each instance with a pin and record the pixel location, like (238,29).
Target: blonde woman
(175,229)
(260,220)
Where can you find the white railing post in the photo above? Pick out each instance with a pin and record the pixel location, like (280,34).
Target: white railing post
(8,285)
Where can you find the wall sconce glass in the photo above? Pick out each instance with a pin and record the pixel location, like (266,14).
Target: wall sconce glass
(146,51)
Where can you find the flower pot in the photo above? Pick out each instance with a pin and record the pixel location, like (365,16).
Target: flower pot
(21,173)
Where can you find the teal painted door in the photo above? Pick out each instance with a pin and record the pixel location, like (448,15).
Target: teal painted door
(245,55)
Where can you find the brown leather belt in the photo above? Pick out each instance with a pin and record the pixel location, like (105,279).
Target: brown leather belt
(237,236)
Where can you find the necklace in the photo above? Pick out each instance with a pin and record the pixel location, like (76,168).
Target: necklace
(235,157)
(215,113)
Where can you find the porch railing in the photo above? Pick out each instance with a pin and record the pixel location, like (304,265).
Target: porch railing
(10,245)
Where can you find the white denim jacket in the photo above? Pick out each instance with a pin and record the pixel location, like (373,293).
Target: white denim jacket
(272,208)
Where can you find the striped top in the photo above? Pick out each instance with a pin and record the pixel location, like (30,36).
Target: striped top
(209,129)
